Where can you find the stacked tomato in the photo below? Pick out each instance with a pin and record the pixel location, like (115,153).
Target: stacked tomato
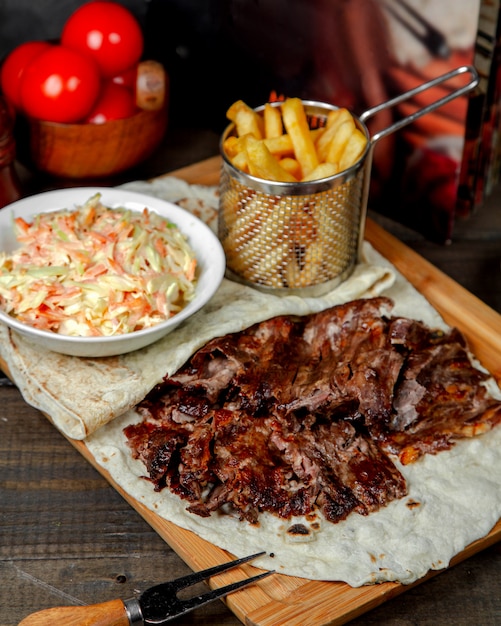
(89,77)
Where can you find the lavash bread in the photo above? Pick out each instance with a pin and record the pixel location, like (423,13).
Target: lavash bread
(82,394)
(454,498)
(93,399)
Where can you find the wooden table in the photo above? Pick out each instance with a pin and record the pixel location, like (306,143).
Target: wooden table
(67,537)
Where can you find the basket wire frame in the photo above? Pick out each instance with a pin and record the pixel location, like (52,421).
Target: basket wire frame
(301,239)
(306,238)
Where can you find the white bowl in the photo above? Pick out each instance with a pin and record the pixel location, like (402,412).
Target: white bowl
(209,253)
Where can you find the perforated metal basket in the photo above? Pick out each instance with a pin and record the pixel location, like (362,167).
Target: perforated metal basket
(304,238)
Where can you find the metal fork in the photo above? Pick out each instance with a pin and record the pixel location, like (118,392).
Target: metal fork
(154,607)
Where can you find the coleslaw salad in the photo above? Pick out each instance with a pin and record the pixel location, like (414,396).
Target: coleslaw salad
(97,271)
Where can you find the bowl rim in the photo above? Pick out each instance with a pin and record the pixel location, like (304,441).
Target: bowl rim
(116,197)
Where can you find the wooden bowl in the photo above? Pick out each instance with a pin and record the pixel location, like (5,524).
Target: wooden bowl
(94,150)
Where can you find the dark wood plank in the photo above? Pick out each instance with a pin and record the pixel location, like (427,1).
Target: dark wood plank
(67,537)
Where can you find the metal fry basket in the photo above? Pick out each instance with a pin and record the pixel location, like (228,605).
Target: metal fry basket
(304,238)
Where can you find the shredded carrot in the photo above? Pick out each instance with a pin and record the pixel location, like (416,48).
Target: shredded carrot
(97,271)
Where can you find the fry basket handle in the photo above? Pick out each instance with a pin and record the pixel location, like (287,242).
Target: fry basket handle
(431,107)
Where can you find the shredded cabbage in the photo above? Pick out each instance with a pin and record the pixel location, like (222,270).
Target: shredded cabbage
(97,271)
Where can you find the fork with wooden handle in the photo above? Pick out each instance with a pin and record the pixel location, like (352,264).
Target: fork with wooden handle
(155,606)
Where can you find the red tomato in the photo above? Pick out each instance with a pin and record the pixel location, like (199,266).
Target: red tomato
(127,78)
(106,31)
(14,66)
(114,103)
(60,85)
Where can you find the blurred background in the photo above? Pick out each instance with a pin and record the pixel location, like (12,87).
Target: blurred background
(353,53)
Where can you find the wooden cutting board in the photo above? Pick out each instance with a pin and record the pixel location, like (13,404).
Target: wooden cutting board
(288,601)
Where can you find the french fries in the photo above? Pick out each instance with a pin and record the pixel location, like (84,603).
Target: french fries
(287,144)
(273,126)
(292,166)
(335,120)
(353,149)
(246,120)
(263,164)
(296,123)
(290,241)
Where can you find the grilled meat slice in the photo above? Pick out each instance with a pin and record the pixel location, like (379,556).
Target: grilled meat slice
(300,414)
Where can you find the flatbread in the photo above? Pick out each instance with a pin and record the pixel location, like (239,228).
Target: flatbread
(82,394)
(454,498)
(458,490)
(93,399)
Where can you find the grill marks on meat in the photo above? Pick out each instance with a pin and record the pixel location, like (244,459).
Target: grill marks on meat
(295,415)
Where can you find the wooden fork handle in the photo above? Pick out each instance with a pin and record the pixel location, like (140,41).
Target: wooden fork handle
(111,613)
